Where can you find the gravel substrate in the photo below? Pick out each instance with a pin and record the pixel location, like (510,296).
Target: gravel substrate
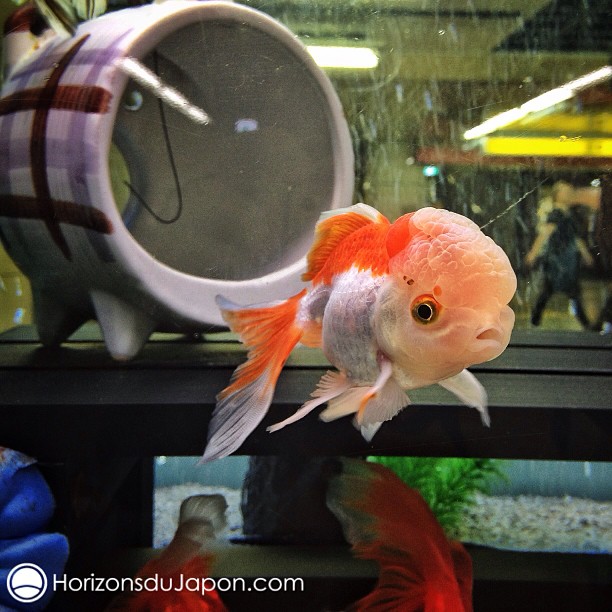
(551,524)
(529,522)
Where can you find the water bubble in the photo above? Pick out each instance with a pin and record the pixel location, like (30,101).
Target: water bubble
(133,101)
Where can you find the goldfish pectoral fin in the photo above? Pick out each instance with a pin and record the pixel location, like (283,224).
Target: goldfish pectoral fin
(465,386)
(329,386)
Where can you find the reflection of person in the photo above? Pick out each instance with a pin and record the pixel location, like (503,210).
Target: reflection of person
(599,200)
(603,246)
(559,250)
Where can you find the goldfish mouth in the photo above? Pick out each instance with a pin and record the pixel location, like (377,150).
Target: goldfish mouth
(491,333)
(492,339)
(489,342)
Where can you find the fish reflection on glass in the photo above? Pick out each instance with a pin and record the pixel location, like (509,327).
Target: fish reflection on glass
(390,523)
(178,579)
(394,306)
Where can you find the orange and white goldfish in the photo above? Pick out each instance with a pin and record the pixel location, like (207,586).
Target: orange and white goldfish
(394,306)
(188,556)
(390,523)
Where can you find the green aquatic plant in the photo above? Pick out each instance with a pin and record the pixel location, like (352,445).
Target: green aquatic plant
(447,484)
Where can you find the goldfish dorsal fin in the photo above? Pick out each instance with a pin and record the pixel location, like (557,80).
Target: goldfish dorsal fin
(332,228)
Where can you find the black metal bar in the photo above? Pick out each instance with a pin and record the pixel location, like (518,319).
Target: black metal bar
(545,403)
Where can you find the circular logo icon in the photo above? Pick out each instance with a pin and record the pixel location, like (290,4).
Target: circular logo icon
(26,582)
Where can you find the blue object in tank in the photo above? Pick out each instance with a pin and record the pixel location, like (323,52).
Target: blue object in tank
(26,502)
(26,505)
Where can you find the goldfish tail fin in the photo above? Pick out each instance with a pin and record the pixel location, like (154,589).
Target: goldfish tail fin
(269,331)
(332,228)
(390,523)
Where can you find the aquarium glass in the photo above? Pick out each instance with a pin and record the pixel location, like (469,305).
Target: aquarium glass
(547,506)
(501,111)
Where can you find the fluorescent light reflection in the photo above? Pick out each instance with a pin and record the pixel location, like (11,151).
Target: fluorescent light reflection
(344,57)
(546,100)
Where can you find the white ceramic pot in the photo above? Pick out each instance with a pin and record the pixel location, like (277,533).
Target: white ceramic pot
(183,211)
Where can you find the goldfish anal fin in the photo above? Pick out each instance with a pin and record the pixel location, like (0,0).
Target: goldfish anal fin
(270,332)
(331,385)
(332,228)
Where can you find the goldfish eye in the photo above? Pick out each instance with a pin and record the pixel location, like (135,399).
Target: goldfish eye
(425,309)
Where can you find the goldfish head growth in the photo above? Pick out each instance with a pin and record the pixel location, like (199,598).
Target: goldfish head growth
(445,305)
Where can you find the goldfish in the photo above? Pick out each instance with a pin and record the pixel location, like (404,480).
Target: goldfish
(394,307)
(390,523)
(189,555)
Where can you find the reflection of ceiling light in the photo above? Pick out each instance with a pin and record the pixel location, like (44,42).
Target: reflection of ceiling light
(539,103)
(547,99)
(343,57)
(494,123)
